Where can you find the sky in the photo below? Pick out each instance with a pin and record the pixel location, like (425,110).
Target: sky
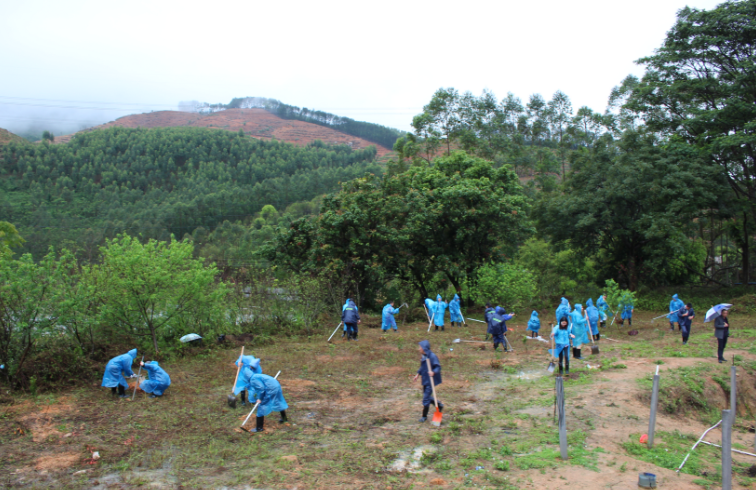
(73,64)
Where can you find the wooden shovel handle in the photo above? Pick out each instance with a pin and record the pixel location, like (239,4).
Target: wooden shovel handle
(238,368)
(433,385)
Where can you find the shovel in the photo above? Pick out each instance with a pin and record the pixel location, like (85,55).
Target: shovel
(232,398)
(255,407)
(334,332)
(136,384)
(594,347)
(437,416)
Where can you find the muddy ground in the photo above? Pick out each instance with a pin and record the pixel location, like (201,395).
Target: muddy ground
(354,418)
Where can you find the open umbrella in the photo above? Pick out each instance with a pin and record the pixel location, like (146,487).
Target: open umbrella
(190,338)
(715,311)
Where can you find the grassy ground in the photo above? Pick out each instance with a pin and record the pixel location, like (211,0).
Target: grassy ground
(354,410)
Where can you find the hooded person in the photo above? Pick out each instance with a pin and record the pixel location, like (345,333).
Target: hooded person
(534,324)
(387,317)
(499,327)
(455,312)
(627,314)
(562,333)
(253,364)
(579,330)
(116,369)
(488,315)
(675,307)
(351,317)
(435,367)
(346,303)
(563,309)
(686,322)
(437,311)
(159,380)
(593,319)
(267,391)
(603,307)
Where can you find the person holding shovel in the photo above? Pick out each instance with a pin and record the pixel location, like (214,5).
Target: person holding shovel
(674,309)
(253,364)
(351,317)
(438,311)
(115,369)
(499,327)
(159,380)
(562,335)
(603,307)
(426,353)
(387,316)
(593,319)
(269,396)
(579,330)
(455,312)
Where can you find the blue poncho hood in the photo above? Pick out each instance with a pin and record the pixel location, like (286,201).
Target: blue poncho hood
(534,315)
(132,353)
(589,303)
(674,296)
(249,361)
(438,297)
(579,308)
(500,310)
(456,297)
(565,302)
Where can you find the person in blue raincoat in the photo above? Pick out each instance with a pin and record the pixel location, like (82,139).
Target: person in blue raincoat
(116,369)
(603,307)
(562,333)
(579,330)
(437,310)
(253,364)
(387,317)
(627,314)
(426,353)
(675,309)
(346,303)
(351,317)
(268,392)
(454,311)
(488,315)
(593,319)
(563,309)
(534,324)
(159,380)
(499,327)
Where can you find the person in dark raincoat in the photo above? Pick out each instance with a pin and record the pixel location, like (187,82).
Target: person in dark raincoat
(455,312)
(722,332)
(159,380)
(116,369)
(686,322)
(675,307)
(488,315)
(534,324)
(351,317)
(499,327)
(426,353)
(267,391)
(562,334)
(593,319)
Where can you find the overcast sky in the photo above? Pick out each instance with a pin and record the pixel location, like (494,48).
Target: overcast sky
(372,61)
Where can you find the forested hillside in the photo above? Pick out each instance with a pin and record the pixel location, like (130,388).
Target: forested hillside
(159,182)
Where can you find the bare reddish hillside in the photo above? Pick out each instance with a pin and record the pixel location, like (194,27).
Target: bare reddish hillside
(257,123)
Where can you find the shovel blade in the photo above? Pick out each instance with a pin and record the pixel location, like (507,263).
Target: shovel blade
(551,367)
(595,350)
(437,418)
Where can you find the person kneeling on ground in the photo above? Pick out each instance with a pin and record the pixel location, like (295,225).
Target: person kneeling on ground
(562,335)
(388,317)
(686,322)
(426,353)
(499,327)
(159,380)
(351,317)
(268,392)
(112,377)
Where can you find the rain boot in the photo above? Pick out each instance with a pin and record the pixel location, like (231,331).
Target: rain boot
(260,426)
(425,413)
(243,398)
(283,418)
(122,392)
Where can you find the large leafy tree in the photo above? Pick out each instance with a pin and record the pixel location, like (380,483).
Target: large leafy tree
(701,86)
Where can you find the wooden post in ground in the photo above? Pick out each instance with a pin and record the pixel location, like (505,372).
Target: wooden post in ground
(727,417)
(562,421)
(654,403)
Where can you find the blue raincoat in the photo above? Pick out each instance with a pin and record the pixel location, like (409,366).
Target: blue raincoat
(561,340)
(593,316)
(627,311)
(603,307)
(563,309)
(113,369)
(534,324)
(253,364)
(159,380)
(436,309)
(344,308)
(454,311)
(268,390)
(388,317)
(674,307)
(579,327)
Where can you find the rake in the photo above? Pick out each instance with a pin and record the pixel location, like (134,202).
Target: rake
(255,407)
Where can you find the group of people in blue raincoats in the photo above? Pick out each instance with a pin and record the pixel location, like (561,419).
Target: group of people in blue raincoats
(118,369)
(436,311)
(580,324)
(254,385)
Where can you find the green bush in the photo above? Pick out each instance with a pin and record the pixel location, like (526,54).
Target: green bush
(504,284)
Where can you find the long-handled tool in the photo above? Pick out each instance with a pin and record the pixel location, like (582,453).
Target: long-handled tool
(594,347)
(437,416)
(426,312)
(457,341)
(232,398)
(136,384)
(431,321)
(479,321)
(551,365)
(506,342)
(334,332)
(255,407)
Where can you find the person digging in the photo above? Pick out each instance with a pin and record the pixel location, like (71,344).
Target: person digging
(269,396)
(426,353)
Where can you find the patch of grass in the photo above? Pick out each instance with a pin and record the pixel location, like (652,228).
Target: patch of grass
(670,449)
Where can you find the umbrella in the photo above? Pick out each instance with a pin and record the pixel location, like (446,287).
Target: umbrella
(715,311)
(189,338)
